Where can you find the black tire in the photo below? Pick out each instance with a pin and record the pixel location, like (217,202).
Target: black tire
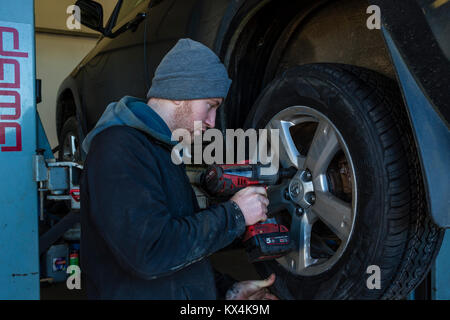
(70,128)
(392,229)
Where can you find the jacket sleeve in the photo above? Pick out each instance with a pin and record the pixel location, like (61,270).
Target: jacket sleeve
(128,208)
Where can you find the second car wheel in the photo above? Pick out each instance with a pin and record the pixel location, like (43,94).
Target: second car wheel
(356,208)
(69,141)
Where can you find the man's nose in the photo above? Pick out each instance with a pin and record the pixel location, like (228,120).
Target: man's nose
(211,120)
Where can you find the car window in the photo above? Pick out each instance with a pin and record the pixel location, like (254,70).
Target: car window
(126,7)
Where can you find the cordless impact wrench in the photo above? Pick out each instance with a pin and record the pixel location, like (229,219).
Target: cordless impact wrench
(262,241)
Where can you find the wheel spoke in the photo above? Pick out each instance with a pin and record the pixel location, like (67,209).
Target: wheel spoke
(334,212)
(301,230)
(70,148)
(323,148)
(289,155)
(73,146)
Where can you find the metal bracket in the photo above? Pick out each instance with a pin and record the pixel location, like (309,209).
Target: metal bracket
(58,179)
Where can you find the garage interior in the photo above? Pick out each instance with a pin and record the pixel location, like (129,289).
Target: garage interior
(58,50)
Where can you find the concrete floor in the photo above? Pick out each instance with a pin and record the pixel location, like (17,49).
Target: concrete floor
(232,262)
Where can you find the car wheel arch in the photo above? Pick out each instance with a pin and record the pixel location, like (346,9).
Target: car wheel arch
(68,104)
(264,51)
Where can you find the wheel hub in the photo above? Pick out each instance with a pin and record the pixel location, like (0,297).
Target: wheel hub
(301,189)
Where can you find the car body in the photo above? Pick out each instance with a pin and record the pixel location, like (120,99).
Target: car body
(125,63)
(395,79)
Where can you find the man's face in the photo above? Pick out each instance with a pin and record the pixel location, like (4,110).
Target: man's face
(203,110)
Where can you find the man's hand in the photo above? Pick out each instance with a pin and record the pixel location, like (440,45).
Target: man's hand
(252,290)
(253,203)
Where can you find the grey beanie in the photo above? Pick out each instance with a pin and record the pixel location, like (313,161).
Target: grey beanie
(189,71)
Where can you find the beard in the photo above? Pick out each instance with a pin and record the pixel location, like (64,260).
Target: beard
(183,118)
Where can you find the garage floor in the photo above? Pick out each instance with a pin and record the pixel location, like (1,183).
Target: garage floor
(232,262)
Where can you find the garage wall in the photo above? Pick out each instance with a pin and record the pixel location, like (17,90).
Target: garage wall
(56,56)
(58,51)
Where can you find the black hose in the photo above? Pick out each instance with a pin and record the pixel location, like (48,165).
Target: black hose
(48,238)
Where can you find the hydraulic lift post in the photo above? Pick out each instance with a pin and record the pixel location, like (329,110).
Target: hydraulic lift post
(19,259)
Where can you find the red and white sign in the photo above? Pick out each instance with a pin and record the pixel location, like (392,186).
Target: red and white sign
(14,57)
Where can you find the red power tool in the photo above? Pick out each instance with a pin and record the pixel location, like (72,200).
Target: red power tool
(263,241)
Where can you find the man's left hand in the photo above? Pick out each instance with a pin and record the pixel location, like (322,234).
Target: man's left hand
(252,290)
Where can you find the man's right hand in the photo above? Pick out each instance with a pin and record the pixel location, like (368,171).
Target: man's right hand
(253,203)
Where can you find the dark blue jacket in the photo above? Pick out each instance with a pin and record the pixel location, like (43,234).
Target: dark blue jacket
(143,234)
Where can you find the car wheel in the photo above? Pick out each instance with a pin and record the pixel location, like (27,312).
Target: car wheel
(69,141)
(356,208)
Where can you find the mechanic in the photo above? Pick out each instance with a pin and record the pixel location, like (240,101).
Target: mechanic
(144,235)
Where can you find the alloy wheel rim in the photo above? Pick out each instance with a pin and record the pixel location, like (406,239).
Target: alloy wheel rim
(315,202)
(70,148)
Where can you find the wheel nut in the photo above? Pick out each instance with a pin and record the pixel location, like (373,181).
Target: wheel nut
(311,197)
(308,175)
(300,211)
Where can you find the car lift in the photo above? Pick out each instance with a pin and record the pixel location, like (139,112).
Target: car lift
(29,171)
(27,166)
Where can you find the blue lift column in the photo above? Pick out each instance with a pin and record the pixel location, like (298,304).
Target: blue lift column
(19,258)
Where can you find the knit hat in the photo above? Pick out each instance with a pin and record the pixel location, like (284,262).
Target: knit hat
(189,71)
